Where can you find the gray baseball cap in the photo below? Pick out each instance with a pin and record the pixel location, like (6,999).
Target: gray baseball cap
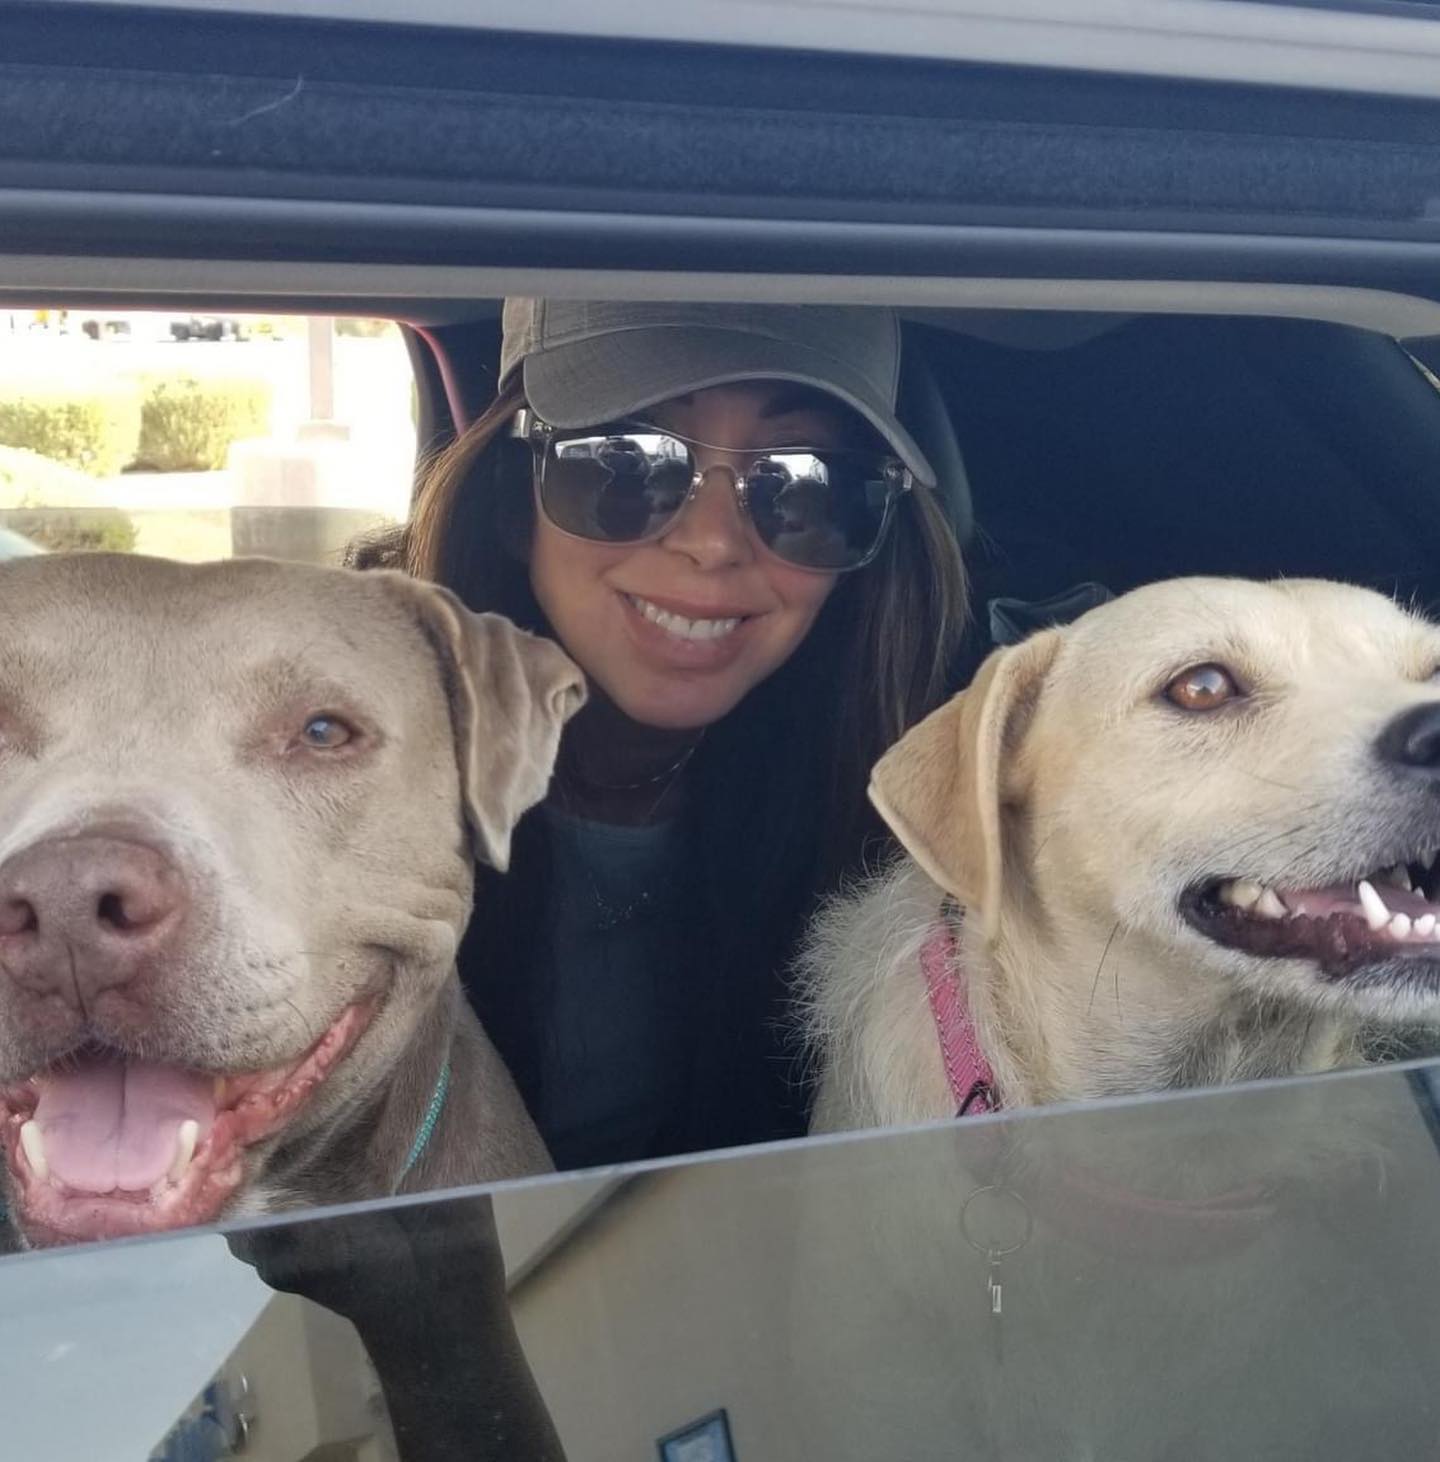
(584,363)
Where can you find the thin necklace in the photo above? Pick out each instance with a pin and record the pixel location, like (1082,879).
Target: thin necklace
(664,774)
(611,916)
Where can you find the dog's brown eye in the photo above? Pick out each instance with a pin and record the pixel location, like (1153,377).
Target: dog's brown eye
(325,733)
(1202,688)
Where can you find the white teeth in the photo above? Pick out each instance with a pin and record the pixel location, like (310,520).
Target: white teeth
(1264,902)
(34,1145)
(1268,905)
(1377,916)
(185,1140)
(677,624)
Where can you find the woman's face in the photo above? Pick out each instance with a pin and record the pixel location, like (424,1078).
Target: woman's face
(641,619)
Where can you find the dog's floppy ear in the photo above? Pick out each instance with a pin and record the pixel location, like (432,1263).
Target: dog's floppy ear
(940,786)
(511,694)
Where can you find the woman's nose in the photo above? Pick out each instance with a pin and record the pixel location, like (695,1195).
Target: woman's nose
(712,530)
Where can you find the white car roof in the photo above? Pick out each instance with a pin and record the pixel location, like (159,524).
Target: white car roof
(1384,49)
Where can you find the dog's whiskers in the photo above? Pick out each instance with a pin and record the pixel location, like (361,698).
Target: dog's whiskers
(305,1025)
(1263,838)
(1104,955)
(1298,858)
(1269,781)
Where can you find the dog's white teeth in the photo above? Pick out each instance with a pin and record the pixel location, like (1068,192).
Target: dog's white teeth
(1399,875)
(1377,916)
(1425,925)
(1268,905)
(34,1145)
(1253,898)
(1399,926)
(185,1139)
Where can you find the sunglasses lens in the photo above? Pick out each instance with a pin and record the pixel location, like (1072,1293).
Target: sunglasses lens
(615,489)
(823,510)
(820,512)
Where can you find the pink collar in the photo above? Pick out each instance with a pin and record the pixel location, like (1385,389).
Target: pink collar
(972,1083)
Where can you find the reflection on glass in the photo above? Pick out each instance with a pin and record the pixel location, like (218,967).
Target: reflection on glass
(1245,1273)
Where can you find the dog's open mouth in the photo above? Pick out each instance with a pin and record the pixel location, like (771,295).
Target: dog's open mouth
(1391,914)
(100,1146)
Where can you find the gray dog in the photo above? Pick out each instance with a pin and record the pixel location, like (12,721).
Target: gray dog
(240,805)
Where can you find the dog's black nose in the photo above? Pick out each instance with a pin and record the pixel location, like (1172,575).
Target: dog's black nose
(1412,740)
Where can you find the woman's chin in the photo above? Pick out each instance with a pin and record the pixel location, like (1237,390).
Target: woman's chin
(676,713)
(674,702)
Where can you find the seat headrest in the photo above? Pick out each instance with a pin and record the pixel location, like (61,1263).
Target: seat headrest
(923,410)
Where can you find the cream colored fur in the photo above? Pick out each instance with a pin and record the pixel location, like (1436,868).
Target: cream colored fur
(1068,807)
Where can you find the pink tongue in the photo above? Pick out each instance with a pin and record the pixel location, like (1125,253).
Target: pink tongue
(109,1125)
(1320,903)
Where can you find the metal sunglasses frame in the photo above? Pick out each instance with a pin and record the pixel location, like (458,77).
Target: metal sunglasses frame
(542,436)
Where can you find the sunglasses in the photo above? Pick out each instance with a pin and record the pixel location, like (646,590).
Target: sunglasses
(821,508)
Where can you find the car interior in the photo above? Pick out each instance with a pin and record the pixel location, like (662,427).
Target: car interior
(1083,450)
(1177,319)
(1111,448)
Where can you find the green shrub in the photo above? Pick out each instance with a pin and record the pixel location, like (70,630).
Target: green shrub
(75,530)
(362,329)
(93,426)
(188,424)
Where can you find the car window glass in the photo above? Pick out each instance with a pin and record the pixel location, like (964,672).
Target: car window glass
(200,436)
(1249,1272)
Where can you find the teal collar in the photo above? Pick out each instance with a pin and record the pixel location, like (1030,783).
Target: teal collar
(428,1122)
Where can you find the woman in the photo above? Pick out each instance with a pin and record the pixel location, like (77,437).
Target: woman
(717,513)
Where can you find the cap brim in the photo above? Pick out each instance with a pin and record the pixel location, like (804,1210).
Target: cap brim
(587,382)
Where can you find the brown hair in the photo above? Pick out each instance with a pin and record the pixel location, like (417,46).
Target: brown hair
(778,813)
(906,614)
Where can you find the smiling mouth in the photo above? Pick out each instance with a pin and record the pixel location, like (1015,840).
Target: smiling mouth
(683,628)
(1392,913)
(103,1146)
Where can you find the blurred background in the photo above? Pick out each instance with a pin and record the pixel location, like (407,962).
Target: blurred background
(201,437)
